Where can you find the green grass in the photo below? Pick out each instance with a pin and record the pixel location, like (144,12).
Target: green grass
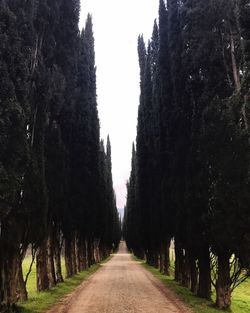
(40,302)
(240,298)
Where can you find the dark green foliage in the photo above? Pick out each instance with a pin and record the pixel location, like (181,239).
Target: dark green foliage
(113,222)
(108,222)
(54,180)
(192,158)
(14,111)
(15,154)
(132,218)
(84,145)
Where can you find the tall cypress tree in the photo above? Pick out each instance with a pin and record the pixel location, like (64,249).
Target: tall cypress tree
(164,86)
(215,104)
(201,88)
(14,156)
(140,145)
(131,224)
(50,146)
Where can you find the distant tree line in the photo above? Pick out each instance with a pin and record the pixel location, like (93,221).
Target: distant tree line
(191,164)
(56,188)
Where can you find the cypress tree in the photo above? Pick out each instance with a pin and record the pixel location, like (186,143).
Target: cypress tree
(145,149)
(196,200)
(218,105)
(111,228)
(164,87)
(132,226)
(14,156)
(194,99)
(110,194)
(140,145)
(102,231)
(50,146)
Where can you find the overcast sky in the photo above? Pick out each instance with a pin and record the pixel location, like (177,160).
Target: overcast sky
(117,25)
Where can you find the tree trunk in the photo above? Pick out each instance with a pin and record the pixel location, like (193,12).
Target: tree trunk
(167,258)
(90,253)
(101,252)
(97,256)
(9,271)
(78,248)
(155,259)
(50,262)
(223,290)
(68,257)
(194,274)
(73,255)
(21,287)
(152,258)
(162,258)
(104,252)
(141,254)
(58,265)
(149,258)
(42,279)
(186,273)
(178,262)
(57,256)
(81,255)
(85,255)
(204,285)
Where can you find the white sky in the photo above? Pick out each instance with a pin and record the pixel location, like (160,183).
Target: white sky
(117,25)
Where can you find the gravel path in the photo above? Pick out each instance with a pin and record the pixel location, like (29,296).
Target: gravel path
(121,286)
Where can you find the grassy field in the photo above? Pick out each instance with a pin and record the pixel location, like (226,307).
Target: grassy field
(240,299)
(40,302)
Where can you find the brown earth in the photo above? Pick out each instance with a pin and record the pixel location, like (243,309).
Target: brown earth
(121,286)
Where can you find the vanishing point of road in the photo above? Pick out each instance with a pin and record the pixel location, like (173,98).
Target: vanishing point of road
(122,285)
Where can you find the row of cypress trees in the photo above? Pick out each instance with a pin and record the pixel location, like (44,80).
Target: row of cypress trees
(190,169)
(55,173)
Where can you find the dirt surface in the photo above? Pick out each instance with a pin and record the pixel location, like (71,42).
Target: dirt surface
(121,286)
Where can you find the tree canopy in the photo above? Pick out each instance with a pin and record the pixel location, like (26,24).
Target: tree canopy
(55,175)
(190,181)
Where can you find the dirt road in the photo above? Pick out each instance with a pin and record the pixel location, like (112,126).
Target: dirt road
(121,286)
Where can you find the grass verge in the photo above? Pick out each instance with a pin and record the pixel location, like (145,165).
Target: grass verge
(40,302)
(240,299)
